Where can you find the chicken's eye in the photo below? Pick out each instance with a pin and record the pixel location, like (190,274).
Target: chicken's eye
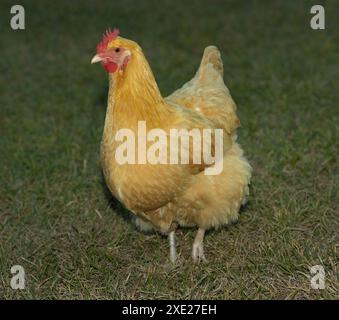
(117,50)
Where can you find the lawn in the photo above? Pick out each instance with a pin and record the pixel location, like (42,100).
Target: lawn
(57,219)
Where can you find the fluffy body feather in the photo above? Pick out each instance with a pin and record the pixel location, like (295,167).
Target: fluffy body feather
(163,195)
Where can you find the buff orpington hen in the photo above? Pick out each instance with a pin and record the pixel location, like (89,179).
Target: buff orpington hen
(164,195)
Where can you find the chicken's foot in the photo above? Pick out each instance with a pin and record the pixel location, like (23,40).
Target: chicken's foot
(198,246)
(173,250)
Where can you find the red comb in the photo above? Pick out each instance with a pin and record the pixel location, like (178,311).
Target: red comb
(107,37)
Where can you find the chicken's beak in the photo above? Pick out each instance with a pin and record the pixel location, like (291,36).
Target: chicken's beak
(96,59)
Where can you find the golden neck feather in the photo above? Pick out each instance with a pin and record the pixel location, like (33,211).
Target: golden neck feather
(134,94)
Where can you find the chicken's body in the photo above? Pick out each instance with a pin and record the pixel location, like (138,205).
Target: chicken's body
(167,195)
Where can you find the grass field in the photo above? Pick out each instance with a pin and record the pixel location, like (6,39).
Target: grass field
(57,219)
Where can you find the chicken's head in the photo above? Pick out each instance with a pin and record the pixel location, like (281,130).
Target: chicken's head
(112,52)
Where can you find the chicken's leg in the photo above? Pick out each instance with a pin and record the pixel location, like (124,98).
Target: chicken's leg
(173,250)
(198,246)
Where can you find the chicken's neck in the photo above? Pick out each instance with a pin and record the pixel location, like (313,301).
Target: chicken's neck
(134,96)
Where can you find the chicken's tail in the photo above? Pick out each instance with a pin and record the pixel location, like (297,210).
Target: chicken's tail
(212,56)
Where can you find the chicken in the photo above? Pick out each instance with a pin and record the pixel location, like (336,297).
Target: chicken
(165,195)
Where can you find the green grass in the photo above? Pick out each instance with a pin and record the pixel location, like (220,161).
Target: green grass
(57,219)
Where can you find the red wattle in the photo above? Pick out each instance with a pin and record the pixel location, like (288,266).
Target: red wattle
(110,67)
